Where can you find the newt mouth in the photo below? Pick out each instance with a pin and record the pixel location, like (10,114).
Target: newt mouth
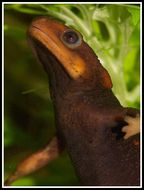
(71,62)
(51,64)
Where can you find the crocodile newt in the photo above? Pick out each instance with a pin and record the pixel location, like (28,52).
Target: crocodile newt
(100,135)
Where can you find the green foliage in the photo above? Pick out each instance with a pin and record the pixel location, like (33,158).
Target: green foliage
(113,32)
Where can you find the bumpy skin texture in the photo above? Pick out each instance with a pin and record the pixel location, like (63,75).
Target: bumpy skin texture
(89,118)
(95,142)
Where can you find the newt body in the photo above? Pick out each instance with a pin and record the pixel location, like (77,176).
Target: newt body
(89,118)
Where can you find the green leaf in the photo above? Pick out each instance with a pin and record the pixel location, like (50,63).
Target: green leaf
(15,32)
(135,12)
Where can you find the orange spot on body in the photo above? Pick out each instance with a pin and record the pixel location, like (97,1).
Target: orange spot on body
(106,80)
(136,142)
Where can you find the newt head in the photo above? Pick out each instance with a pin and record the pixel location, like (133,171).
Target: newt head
(65,55)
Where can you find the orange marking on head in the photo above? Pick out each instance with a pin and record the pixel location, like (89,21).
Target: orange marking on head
(45,31)
(106,80)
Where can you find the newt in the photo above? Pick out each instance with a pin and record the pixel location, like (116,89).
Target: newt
(101,136)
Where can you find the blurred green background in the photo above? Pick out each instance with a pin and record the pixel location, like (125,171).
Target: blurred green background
(112,30)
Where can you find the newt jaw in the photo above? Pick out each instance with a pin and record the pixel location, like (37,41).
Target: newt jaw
(73,64)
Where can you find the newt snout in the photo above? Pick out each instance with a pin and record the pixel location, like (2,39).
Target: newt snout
(53,36)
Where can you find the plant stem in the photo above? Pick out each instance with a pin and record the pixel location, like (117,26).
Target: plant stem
(85,30)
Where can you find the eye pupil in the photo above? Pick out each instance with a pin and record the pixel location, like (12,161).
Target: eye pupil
(70,37)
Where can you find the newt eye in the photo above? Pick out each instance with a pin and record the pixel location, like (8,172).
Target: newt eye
(71,38)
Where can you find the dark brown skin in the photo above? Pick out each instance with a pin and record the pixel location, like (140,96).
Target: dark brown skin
(89,118)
